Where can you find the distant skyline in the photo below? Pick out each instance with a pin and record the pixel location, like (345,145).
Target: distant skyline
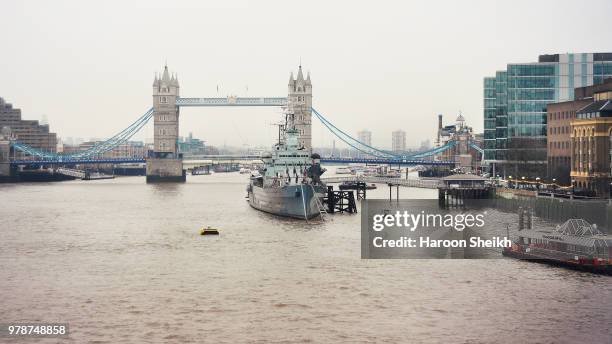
(88,67)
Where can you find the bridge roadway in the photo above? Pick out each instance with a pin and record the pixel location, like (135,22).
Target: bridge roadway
(208,159)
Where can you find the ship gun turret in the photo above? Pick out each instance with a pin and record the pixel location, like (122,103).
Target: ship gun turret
(315,170)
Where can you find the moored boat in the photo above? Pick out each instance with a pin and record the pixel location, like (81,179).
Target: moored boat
(290,184)
(575,244)
(343,170)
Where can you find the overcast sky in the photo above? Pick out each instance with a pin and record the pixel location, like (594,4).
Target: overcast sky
(381,65)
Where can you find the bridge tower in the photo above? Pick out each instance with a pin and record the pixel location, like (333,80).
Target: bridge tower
(300,103)
(164,164)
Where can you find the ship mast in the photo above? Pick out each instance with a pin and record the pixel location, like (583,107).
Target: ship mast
(281,130)
(289,121)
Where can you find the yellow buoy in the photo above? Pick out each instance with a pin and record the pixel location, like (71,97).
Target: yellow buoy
(209,231)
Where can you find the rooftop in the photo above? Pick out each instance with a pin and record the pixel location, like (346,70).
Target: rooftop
(601,106)
(460,177)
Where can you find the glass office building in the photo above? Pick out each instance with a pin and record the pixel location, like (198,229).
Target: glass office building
(489,118)
(515,107)
(501,115)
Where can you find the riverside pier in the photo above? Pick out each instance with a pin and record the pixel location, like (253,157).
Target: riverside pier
(453,190)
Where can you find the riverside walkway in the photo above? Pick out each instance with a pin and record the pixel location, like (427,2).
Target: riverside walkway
(410,182)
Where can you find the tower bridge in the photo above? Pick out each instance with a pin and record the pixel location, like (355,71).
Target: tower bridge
(164,163)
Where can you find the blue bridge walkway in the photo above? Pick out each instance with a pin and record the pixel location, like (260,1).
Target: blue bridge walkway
(330,160)
(93,155)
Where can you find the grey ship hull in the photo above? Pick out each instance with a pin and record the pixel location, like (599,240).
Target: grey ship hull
(297,201)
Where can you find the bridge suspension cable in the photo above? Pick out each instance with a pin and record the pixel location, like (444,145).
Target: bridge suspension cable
(450,144)
(119,138)
(354,143)
(127,133)
(476,148)
(97,149)
(367,149)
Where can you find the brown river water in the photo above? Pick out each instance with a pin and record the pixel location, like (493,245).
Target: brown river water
(123,262)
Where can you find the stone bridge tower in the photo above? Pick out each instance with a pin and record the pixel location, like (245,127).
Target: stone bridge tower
(300,103)
(164,164)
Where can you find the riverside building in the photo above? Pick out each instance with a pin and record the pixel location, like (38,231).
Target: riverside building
(515,107)
(560,116)
(29,132)
(463,154)
(591,143)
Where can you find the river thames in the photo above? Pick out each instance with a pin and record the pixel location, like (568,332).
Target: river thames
(123,261)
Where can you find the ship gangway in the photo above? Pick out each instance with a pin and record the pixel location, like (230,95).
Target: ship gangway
(70,172)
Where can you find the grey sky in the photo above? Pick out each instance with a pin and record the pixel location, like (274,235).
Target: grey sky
(380,65)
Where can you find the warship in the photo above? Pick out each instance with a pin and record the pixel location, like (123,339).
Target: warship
(289,184)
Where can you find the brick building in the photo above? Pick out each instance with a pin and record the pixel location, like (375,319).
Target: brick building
(558,139)
(559,117)
(591,143)
(129,149)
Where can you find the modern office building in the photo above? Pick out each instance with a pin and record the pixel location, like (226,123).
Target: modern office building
(29,132)
(365,136)
(190,145)
(425,145)
(398,141)
(515,107)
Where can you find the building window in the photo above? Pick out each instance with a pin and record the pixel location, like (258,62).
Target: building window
(163,100)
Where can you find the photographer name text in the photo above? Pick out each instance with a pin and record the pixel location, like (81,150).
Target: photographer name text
(427,242)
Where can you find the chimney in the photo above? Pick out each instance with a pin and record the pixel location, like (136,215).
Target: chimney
(439,128)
